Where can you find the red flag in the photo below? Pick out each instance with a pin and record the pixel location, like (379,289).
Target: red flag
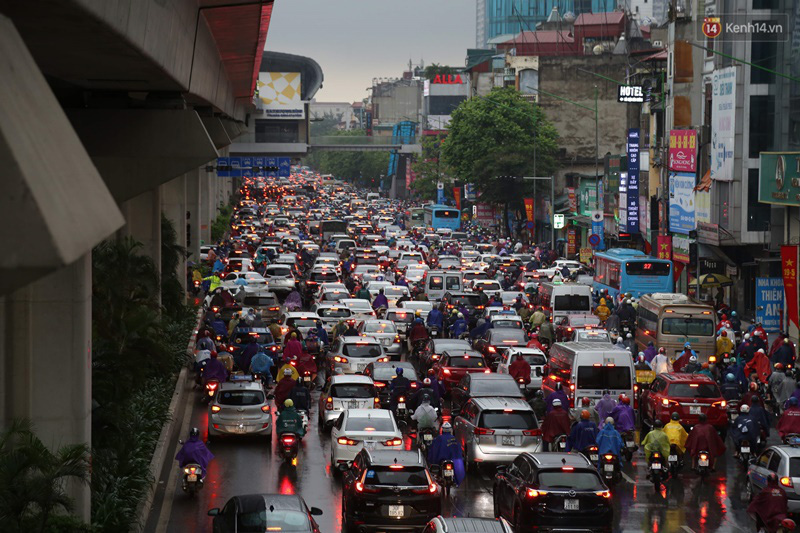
(457,197)
(664,247)
(529,209)
(789,268)
(678,266)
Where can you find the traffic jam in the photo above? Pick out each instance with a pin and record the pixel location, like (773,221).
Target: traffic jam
(365,364)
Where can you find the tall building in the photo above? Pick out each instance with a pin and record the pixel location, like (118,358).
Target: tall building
(505,17)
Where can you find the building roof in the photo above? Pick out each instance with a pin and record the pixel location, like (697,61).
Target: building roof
(593,19)
(545,36)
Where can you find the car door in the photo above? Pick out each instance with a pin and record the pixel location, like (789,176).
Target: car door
(225,522)
(507,487)
(760,471)
(465,422)
(336,430)
(458,394)
(351,475)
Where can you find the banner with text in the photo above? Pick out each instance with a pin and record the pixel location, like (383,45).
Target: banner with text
(769,302)
(789,269)
(664,247)
(632,191)
(683,150)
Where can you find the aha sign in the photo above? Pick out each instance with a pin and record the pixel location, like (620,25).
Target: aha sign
(448,79)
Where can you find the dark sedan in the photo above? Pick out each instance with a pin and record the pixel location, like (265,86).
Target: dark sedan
(265,512)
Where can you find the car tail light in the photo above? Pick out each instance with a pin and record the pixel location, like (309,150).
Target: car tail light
(666,403)
(720,404)
(377,400)
(380,384)
(487,371)
(329,404)
(216,408)
(265,408)
(393,442)
(786,481)
(483,431)
(397,338)
(340,359)
(491,349)
(361,487)
(532,432)
(532,493)
(344,441)
(446,371)
(604,493)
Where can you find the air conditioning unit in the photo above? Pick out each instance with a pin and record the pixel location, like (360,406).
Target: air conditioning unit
(658,44)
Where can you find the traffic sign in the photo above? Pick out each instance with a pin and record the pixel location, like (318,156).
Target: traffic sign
(531,224)
(594,239)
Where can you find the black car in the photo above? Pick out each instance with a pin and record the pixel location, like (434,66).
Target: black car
(434,348)
(388,490)
(481,385)
(454,300)
(540,491)
(383,374)
(497,339)
(265,512)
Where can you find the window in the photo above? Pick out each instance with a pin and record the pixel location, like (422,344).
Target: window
(353,390)
(369,424)
(523,420)
(557,479)
(604,377)
(758,214)
(763,461)
(435,283)
(495,388)
(405,477)
(362,350)
(774,462)
(466,361)
(241,397)
(694,390)
(763,53)
(687,326)
(571,302)
(762,120)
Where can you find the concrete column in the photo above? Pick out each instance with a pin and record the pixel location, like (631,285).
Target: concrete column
(207,212)
(193,208)
(45,358)
(173,205)
(143,223)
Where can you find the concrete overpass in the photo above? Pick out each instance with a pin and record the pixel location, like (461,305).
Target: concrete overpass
(110,111)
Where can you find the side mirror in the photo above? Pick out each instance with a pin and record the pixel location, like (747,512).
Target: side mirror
(213,512)
(342,467)
(316,511)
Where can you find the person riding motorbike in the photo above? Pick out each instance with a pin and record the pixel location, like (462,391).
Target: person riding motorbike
(436,385)
(724,344)
(300,396)
(418,331)
(425,416)
(538,405)
(290,421)
(426,390)
(771,505)
(605,405)
(194,451)
(583,434)
(586,405)
(656,441)
(691,367)
(759,365)
(446,447)
(676,433)
(556,422)
(293,348)
(284,387)
(760,416)
(684,359)
(537,318)
(608,439)
(602,311)
(262,364)
(745,428)
(730,388)
(520,370)
(215,370)
(623,415)
(660,363)
(380,301)
(206,342)
(789,422)
(435,319)
(459,327)
(547,333)
(704,438)
(399,386)
(534,342)
(558,394)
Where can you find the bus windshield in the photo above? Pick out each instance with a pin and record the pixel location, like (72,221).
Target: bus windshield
(687,326)
(571,302)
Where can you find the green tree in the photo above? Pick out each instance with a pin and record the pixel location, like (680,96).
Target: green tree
(327,125)
(364,168)
(430,169)
(434,69)
(493,141)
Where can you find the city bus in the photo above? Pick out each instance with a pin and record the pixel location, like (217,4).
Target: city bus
(415,218)
(438,216)
(670,320)
(329,228)
(632,272)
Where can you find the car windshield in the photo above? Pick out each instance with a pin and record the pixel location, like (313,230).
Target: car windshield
(533,359)
(401,477)
(260,301)
(362,350)
(507,323)
(508,419)
(687,326)
(516,336)
(324,276)
(559,479)
(353,390)
(387,373)
(302,323)
(240,397)
(369,424)
(571,302)
(466,300)
(465,361)
(604,377)
(333,312)
(277,271)
(396,316)
(381,327)
(694,390)
(276,520)
(394,291)
(334,297)
(495,387)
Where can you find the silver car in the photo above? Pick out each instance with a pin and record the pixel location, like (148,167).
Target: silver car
(346,392)
(353,354)
(280,279)
(386,332)
(783,461)
(240,408)
(497,430)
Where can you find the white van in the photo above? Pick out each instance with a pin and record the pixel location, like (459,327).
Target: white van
(565,299)
(587,369)
(372,196)
(439,282)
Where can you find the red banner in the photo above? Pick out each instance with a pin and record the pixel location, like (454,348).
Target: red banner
(572,241)
(678,269)
(457,197)
(683,150)
(664,247)
(789,268)
(573,200)
(529,209)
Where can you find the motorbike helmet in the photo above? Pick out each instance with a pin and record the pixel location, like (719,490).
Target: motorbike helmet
(540,394)
(778,367)
(662,351)
(675,416)
(585,414)
(730,378)
(746,336)
(744,408)
(288,403)
(733,313)
(585,401)
(624,399)
(687,345)
(194,432)
(629,336)
(426,382)
(398,371)
(556,403)
(793,401)
(693,359)
(213,355)
(640,357)
(657,423)
(417,313)
(761,350)
(757,333)
(723,333)
(610,421)
(460,315)
(447,428)
(293,335)
(753,386)
(702,418)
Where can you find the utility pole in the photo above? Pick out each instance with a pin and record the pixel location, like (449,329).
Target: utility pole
(552,204)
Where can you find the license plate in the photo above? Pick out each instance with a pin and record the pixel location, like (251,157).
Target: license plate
(695,410)
(593,458)
(448,473)
(608,468)
(191,478)
(240,429)
(401,405)
(307,378)
(508,440)
(427,437)
(630,444)
(396,511)
(656,466)
(352,404)
(361,366)
(702,462)
(673,458)
(572,505)
(745,449)
(370,444)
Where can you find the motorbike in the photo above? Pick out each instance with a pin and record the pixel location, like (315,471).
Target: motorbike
(197,287)
(401,413)
(434,332)
(733,409)
(447,475)
(786,524)
(655,470)
(560,444)
(703,463)
(193,478)
(426,436)
(590,452)
(609,467)
(744,452)
(211,387)
(289,447)
(629,440)
(675,459)
(417,347)
(309,379)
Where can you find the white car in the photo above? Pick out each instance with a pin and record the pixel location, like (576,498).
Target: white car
(386,332)
(255,281)
(286,259)
(341,393)
(331,314)
(373,429)
(534,356)
(326,286)
(353,354)
(374,286)
(280,279)
(360,307)
(239,407)
(414,305)
(490,287)
(572,266)
(394,293)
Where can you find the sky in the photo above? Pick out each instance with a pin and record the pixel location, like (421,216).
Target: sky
(357,40)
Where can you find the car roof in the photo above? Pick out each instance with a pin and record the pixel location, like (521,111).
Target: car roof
(556,459)
(517,404)
(401,457)
(471,525)
(302,314)
(458,352)
(251,503)
(350,378)
(683,377)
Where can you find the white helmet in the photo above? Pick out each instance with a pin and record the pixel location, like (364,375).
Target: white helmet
(556,403)
(447,428)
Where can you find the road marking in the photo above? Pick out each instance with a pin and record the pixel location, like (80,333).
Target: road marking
(687,529)
(172,481)
(628,478)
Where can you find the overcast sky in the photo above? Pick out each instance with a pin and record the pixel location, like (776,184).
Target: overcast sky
(357,40)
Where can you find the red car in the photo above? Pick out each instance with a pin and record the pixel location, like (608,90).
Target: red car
(687,394)
(454,365)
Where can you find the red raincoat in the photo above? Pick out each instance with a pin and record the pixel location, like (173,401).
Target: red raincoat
(704,438)
(555,423)
(681,361)
(789,422)
(520,369)
(771,505)
(760,365)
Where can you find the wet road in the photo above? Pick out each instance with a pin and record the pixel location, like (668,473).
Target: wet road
(249,465)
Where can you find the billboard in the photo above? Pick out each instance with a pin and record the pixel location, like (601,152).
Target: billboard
(631,225)
(681,202)
(779,178)
(770,302)
(723,123)
(683,150)
(280,95)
